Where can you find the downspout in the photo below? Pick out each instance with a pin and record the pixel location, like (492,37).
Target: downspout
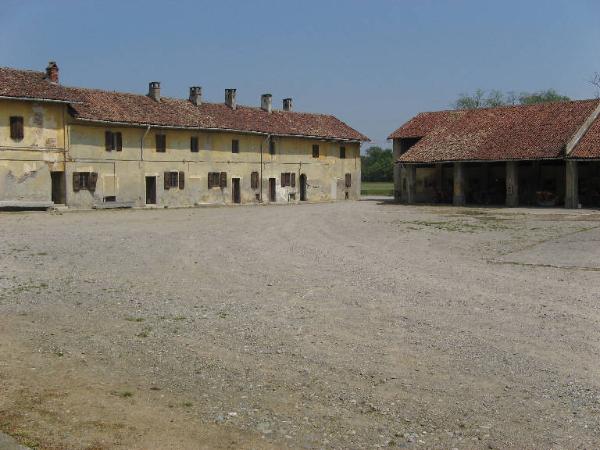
(261,166)
(142,143)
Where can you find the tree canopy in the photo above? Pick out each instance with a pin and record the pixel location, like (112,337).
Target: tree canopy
(377,164)
(494,98)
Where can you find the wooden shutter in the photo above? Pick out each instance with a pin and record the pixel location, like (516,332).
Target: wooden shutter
(210,179)
(161,143)
(348,180)
(119,141)
(181,180)
(16,128)
(293,180)
(223,180)
(93,180)
(76,186)
(167,180)
(194,144)
(254,180)
(108,141)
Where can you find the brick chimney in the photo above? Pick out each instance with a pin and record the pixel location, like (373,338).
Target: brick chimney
(52,72)
(287,104)
(230,98)
(196,95)
(154,90)
(266,102)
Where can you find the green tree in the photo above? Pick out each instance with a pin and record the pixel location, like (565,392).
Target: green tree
(494,98)
(377,164)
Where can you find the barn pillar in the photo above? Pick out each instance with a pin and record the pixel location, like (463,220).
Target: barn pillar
(458,197)
(572,187)
(411,183)
(512,183)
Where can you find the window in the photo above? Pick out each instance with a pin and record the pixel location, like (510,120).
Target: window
(194,144)
(271,147)
(161,143)
(16,128)
(174,180)
(235,146)
(342,152)
(217,179)
(254,180)
(110,198)
(288,179)
(84,181)
(113,141)
(348,180)
(315,151)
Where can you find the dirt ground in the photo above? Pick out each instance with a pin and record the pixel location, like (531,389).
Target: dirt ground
(348,325)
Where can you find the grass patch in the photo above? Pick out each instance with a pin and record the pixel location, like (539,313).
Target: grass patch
(377,188)
(123,394)
(144,333)
(134,319)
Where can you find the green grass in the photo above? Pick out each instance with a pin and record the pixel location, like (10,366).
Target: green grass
(377,188)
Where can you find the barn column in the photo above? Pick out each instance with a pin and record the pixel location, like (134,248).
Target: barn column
(411,183)
(572,187)
(458,197)
(397,172)
(512,183)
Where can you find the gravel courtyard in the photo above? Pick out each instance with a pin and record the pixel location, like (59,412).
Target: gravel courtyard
(348,325)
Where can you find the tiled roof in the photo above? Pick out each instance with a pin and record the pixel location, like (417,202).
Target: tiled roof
(589,145)
(135,109)
(494,134)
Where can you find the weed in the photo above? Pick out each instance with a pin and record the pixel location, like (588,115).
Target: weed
(134,319)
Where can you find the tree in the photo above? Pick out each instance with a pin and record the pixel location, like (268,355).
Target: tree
(495,98)
(377,164)
(595,81)
(549,95)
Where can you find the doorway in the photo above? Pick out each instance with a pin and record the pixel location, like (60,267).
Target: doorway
(150,190)
(236,195)
(58,187)
(272,190)
(303,187)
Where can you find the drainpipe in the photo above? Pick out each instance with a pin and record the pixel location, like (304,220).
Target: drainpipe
(261,166)
(142,142)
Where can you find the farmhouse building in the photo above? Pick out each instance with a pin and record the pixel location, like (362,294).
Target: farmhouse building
(89,148)
(545,154)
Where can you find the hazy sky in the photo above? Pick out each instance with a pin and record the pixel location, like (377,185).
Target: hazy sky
(372,63)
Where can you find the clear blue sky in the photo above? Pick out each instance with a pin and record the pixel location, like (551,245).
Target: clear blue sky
(374,63)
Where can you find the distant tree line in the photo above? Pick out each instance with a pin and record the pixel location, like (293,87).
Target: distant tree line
(377,164)
(494,98)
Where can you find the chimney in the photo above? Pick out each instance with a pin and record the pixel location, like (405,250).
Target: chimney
(287,104)
(196,95)
(154,90)
(52,72)
(230,98)
(266,102)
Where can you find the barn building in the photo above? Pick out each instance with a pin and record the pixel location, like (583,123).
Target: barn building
(533,155)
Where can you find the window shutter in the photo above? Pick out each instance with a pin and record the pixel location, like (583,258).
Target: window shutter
(167,180)
(210,180)
(223,180)
(293,180)
(93,181)
(108,141)
(16,128)
(254,180)
(76,186)
(348,180)
(181,180)
(119,141)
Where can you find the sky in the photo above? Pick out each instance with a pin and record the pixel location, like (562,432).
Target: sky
(372,63)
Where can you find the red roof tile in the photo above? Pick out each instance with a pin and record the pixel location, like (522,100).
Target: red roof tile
(135,109)
(494,134)
(589,145)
